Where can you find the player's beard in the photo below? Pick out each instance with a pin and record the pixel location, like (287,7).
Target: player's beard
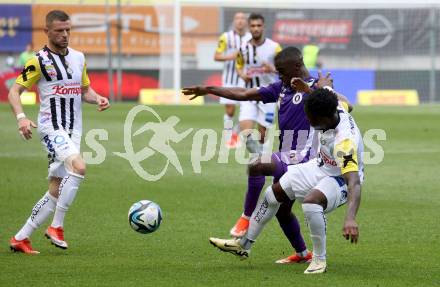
(61,46)
(257,38)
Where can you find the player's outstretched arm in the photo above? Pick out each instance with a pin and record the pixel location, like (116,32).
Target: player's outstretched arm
(90,96)
(350,229)
(24,124)
(238,94)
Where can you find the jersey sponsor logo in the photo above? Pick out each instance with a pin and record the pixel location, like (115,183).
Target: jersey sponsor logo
(62,90)
(327,160)
(255,71)
(50,69)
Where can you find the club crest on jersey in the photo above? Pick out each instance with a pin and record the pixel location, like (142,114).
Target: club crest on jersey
(296,99)
(69,70)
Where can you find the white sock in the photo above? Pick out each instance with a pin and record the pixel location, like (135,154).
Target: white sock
(227,118)
(265,211)
(41,211)
(314,214)
(68,188)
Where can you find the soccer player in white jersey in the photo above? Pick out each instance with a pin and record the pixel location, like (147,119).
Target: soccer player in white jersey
(255,65)
(61,75)
(227,51)
(322,185)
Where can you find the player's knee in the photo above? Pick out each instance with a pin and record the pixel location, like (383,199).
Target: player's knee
(316,197)
(54,186)
(284,213)
(255,168)
(76,164)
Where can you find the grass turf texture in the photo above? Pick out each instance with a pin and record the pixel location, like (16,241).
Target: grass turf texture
(399,243)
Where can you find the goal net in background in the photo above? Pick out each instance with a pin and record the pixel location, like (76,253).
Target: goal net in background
(147,50)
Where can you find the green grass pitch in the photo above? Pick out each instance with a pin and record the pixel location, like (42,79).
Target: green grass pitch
(399,214)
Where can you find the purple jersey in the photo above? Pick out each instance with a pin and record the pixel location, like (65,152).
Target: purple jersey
(293,124)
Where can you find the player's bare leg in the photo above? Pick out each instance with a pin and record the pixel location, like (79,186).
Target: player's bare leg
(41,211)
(313,206)
(262,131)
(76,168)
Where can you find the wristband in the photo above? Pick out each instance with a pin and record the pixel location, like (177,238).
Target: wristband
(20,116)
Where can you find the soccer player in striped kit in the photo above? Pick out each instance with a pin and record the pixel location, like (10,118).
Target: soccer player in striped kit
(255,65)
(227,51)
(61,76)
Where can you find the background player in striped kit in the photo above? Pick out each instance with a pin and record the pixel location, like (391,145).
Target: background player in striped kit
(255,65)
(227,51)
(61,75)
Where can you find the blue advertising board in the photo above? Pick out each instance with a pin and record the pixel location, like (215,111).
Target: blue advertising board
(349,82)
(15,27)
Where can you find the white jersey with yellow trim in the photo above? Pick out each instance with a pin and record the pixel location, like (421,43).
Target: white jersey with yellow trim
(228,43)
(252,58)
(341,149)
(60,79)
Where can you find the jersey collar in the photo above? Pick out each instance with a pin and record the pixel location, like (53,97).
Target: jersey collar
(47,48)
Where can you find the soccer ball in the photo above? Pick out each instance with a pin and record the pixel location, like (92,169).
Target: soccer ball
(145,216)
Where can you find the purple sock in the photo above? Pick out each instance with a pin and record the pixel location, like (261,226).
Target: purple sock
(287,220)
(255,185)
(290,226)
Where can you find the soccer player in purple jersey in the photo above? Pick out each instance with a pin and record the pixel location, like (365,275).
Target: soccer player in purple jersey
(295,139)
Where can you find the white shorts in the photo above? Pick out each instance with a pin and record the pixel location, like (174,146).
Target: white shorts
(59,146)
(263,114)
(300,179)
(225,101)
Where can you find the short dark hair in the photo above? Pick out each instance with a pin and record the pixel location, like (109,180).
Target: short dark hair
(289,53)
(255,16)
(321,102)
(56,15)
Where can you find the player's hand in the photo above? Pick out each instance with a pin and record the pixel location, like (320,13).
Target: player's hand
(324,81)
(233,55)
(268,68)
(245,77)
(103,103)
(24,128)
(299,85)
(350,230)
(197,91)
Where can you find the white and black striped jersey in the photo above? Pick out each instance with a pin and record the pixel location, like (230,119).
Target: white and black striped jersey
(60,79)
(252,58)
(228,43)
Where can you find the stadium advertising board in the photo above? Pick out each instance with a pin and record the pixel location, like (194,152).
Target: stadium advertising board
(388,97)
(146,30)
(15,27)
(347,31)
